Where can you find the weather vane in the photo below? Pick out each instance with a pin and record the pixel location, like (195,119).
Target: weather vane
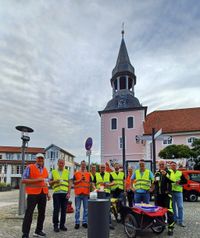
(122,29)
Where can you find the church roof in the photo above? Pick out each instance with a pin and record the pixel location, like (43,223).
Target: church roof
(118,102)
(173,121)
(123,63)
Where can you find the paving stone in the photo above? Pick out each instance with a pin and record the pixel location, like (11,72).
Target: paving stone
(10,223)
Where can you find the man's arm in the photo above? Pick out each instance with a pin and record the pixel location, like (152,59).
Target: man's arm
(52,181)
(132,182)
(151,177)
(183,180)
(169,175)
(26,177)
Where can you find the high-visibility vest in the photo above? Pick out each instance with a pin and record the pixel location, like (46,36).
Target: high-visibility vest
(142,182)
(119,180)
(38,187)
(177,187)
(82,187)
(128,182)
(64,183)
(92,176)
(100,180)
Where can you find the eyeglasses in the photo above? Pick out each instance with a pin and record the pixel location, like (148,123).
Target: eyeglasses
(161,164)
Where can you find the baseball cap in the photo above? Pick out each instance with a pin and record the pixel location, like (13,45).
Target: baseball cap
(39,155)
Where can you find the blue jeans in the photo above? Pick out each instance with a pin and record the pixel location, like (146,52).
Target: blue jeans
(142,197)
(78,199)
(177,203)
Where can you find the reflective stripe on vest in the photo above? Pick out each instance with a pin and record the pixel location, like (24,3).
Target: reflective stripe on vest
(100,180)
(118,179)
(38,187)
(82,187)
(64,185)
(177,187)
(142,182)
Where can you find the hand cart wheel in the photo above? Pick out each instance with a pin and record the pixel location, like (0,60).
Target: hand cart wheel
(130,226)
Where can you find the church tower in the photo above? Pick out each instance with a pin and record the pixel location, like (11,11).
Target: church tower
(122,111)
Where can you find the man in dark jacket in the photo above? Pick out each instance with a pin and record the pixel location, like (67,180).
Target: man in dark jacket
(163,192)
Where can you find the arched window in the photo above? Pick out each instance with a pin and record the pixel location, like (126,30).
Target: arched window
(122,83)
(130,122)
(114,124)
(130,83)
(115,84)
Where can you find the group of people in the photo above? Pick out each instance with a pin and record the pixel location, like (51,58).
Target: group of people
(166,184)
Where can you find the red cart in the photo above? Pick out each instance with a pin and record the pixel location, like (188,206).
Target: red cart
(140,217)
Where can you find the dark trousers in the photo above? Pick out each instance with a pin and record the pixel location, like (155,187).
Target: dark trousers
(33,200)
(165,200)
(59,206)
(130,197)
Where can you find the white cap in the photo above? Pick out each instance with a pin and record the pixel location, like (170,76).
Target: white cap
(39,155)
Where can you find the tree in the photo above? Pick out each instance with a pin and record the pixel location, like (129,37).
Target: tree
(175,152)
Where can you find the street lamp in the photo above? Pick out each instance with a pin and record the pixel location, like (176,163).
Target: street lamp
(25,139)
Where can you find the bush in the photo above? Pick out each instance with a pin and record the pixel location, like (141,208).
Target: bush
(3,185)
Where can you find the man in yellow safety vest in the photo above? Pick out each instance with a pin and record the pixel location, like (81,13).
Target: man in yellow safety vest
(177,194)
(143,178)
(61,184)
(117,189)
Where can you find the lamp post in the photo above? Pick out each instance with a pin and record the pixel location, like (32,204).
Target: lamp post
(25,139)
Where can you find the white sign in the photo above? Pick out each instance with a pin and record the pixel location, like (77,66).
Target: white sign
(158,133)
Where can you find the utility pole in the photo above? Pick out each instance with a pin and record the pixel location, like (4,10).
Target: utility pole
(123,151)
(154,150)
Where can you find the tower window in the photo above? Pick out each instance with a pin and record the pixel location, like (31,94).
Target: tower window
(130,82)
(114,124)
(130,122)
(115,84)
(122,82)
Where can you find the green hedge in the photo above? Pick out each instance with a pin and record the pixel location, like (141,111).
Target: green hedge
(4,185)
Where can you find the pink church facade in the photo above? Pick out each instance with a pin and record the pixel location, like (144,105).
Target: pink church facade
(111,139)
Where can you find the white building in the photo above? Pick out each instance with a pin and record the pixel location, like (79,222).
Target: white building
(53,153)
(10,161)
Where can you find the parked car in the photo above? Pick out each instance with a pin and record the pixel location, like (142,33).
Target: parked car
(191,190)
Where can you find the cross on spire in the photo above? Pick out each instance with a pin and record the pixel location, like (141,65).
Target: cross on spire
(122,30)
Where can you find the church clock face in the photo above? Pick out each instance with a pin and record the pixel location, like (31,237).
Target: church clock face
(121,102)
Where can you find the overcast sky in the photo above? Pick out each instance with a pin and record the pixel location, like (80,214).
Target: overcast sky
(56,59)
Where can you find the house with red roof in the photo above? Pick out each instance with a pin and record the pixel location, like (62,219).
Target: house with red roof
(182,126)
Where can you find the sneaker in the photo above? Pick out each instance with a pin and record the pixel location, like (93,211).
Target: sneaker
(63,228)
(39,234)
(181,224)
(111,227)
(56,229)
(77,226)
(170,233)
(25,236)
(84,225)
